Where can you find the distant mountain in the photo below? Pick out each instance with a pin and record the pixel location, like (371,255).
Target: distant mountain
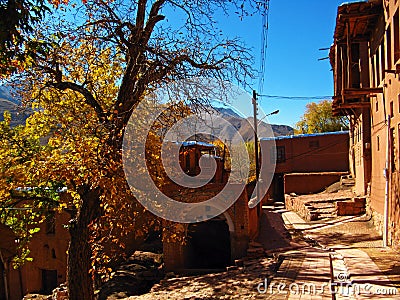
(242,125)
(245,127)
(18,115)
(227,112)
(280,130)
(5,94)
(11,104)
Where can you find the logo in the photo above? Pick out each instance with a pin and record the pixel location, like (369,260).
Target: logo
(212,107)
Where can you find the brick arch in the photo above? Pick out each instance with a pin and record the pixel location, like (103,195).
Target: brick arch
(229,221)
(206,217)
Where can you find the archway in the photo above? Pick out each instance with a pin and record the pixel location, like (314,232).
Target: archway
(209,244)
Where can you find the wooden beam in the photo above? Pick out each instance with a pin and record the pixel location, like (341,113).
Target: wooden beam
(349,60)
(362,91)
(354,40)
(353,105)
(358,16)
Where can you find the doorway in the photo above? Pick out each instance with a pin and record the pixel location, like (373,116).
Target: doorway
(209,245)
(49,281)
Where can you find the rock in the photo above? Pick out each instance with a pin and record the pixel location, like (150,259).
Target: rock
(134,277)
(60,293)
(239,262)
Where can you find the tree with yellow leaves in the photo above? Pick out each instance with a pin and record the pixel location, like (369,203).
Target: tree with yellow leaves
(319,118)
(83,92)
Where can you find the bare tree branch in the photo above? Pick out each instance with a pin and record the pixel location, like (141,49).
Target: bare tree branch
(89,99)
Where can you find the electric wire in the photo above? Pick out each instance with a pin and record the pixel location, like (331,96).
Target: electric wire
(301,98)
(313,151)
(264,44)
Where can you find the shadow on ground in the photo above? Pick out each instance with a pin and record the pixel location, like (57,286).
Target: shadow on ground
(273,233)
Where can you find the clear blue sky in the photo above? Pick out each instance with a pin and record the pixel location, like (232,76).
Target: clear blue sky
(297,29)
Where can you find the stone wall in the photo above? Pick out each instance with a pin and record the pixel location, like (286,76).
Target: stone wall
(310,183)
(378,221)
(301,207)
(296,205)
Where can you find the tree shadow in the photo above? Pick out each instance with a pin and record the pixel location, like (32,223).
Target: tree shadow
(273,233)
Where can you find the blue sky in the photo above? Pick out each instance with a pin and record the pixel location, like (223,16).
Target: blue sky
(297,29)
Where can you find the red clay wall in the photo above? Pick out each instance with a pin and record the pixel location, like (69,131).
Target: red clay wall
(315,153)
(49,252)
(309,153)
(384,104)
(308,183)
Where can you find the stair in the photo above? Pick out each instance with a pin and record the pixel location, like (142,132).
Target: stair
(317,210)
(347,181)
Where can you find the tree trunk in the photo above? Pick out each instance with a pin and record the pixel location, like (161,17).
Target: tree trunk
(79,281)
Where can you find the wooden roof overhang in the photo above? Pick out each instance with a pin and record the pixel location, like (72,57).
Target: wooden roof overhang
(355,22)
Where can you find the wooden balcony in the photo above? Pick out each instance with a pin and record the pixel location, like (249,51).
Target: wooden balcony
(353,98)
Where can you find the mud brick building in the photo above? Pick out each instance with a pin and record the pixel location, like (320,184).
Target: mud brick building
(365,58)
(305,163)
(49,266)
(214,243)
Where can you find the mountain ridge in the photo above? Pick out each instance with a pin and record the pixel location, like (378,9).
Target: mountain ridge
(239,123)
(245,126)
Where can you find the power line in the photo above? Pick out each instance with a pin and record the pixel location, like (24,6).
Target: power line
(264,44)
(303,98)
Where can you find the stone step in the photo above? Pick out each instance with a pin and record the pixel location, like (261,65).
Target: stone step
(253,244)
(252,251)
(348,182)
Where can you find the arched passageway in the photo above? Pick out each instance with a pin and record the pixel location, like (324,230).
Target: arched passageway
(209,245)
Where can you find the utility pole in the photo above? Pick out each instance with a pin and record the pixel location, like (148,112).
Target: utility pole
(254,100)
(387,175)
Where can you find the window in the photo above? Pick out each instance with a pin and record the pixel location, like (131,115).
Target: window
(355,65)
(391,111)
(313,144)
(278,154)
(50,224)
(398,102)
(373,71)
(377,68)
(398,141)
(396,37)
(393,151)
(377,143)
(389,48)
(383,59)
